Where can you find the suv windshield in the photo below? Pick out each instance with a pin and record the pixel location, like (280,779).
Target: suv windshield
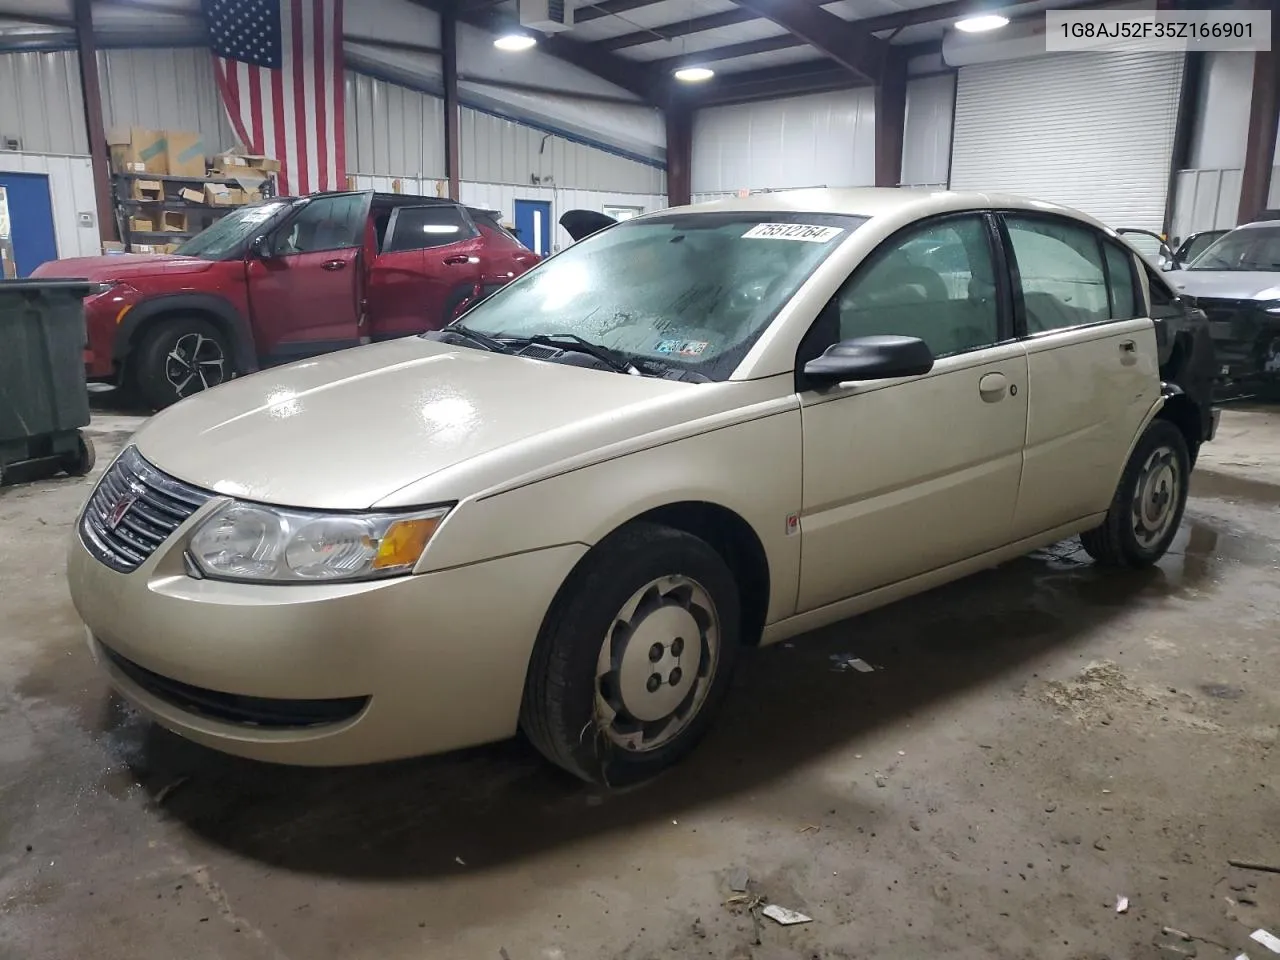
(682,290)
(228,234)
(1248,248)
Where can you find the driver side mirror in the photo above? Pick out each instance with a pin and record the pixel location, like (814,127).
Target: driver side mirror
(869,358)
(260,247)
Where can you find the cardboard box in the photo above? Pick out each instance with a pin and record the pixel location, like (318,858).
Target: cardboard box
(230,164)
(184,153)
(173,221)
(218,195)
(191,195)
(141,225)
(144,248)
(148,190)
(139,146)
(112,247)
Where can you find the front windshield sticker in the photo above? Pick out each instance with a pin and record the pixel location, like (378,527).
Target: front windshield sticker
(685,348)
(792,231)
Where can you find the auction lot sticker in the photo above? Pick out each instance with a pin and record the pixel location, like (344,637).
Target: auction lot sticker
(804,232)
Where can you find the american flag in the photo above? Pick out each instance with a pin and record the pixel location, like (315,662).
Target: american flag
(280,72)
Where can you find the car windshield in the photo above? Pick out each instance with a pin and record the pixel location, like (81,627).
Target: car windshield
(677,290)
(1248,248)
(227,234)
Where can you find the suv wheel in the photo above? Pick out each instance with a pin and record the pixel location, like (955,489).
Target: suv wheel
(180,357)
(634,658)
(1148,504)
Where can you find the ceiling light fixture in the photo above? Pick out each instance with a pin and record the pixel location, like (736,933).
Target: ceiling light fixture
(982,23)
(514,42)
(694,74)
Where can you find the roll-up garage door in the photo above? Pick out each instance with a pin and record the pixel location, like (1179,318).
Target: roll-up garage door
(1093,131)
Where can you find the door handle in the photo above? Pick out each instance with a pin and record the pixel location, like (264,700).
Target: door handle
(992,387)
(333,264)
(456,261)
(1128,352)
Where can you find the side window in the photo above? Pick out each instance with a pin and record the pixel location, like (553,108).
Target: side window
(1124,295)
(417,228)
(1060,268)
(936,283)
(326,223)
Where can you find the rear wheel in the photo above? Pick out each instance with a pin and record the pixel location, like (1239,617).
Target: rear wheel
(635,657)
(80,463)
(1148,504)
(178,358)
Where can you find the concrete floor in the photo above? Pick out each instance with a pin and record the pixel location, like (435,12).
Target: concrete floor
(1035,742)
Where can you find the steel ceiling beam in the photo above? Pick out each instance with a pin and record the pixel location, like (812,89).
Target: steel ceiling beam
(840,40)
(814,76)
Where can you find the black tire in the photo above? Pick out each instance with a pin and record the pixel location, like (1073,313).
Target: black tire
(559,713)
(80,463)
(1115,542)
(163,380)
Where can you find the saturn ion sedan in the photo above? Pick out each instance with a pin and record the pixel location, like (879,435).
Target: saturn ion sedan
(569,512)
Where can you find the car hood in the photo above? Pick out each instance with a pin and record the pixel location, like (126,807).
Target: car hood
(122,266)
(347,430)
(1226,284)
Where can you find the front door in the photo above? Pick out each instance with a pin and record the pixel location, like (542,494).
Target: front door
(305,286)
(430,262)
(1093,363)
(26,224)
(905,476)
(533,225)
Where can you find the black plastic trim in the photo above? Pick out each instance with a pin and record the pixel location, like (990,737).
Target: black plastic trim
(233,323)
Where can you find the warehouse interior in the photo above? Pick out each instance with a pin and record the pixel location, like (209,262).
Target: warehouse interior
(1045,759)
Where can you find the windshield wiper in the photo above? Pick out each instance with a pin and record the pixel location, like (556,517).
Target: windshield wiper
(571,341)
(476,337)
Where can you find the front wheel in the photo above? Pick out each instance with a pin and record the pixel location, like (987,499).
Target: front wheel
(178,358)
(634,658)
(1147,508)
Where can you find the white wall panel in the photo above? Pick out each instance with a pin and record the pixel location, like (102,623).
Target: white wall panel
(926,135)
(1090,130)
(392,130)
(1206,200)
(495,150)
(40,102)
(825,139)
(70,193)
(502,197)
(1221,132)
(171,89)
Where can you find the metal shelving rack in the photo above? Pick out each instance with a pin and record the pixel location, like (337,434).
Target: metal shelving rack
(199,215)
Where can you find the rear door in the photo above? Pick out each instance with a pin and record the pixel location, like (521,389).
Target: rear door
(430,261)
(305,285)
(1093,365)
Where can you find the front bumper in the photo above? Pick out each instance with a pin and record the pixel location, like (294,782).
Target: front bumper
(355,673)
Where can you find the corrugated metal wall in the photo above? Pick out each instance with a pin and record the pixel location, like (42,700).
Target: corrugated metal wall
(40,102)
(164,89)
(392,130)
(495,150)
(826,139)
(926,134)
(70,192)
(502,197)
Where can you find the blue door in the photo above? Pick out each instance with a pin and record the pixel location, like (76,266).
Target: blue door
(533,225)
(30,219)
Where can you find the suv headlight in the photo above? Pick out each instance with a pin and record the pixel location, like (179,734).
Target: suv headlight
(255,542)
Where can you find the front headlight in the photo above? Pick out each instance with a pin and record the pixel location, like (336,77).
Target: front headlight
(249,541)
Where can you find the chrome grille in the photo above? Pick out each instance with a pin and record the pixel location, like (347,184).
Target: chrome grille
(134,509)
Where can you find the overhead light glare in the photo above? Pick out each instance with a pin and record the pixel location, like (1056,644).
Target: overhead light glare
(982,23)
(514,42)
(694,74)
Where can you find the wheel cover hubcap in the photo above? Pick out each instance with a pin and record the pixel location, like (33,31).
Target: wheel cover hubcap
(656,663)
(1155,499)
(195,363)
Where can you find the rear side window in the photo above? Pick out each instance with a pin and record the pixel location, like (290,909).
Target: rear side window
(419,228)
(1060,269)
(1124,295)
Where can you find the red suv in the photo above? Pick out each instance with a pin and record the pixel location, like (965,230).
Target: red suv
(286,279)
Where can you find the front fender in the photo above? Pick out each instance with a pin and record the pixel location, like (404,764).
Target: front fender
(232,321)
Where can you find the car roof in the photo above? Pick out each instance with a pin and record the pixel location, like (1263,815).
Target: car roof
(908,202)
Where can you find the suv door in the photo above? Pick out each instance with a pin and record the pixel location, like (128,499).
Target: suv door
(304,279)
(430,261)
(905,476)
(1093,363)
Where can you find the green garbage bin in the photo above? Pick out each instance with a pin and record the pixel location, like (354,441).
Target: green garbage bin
(44,400)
